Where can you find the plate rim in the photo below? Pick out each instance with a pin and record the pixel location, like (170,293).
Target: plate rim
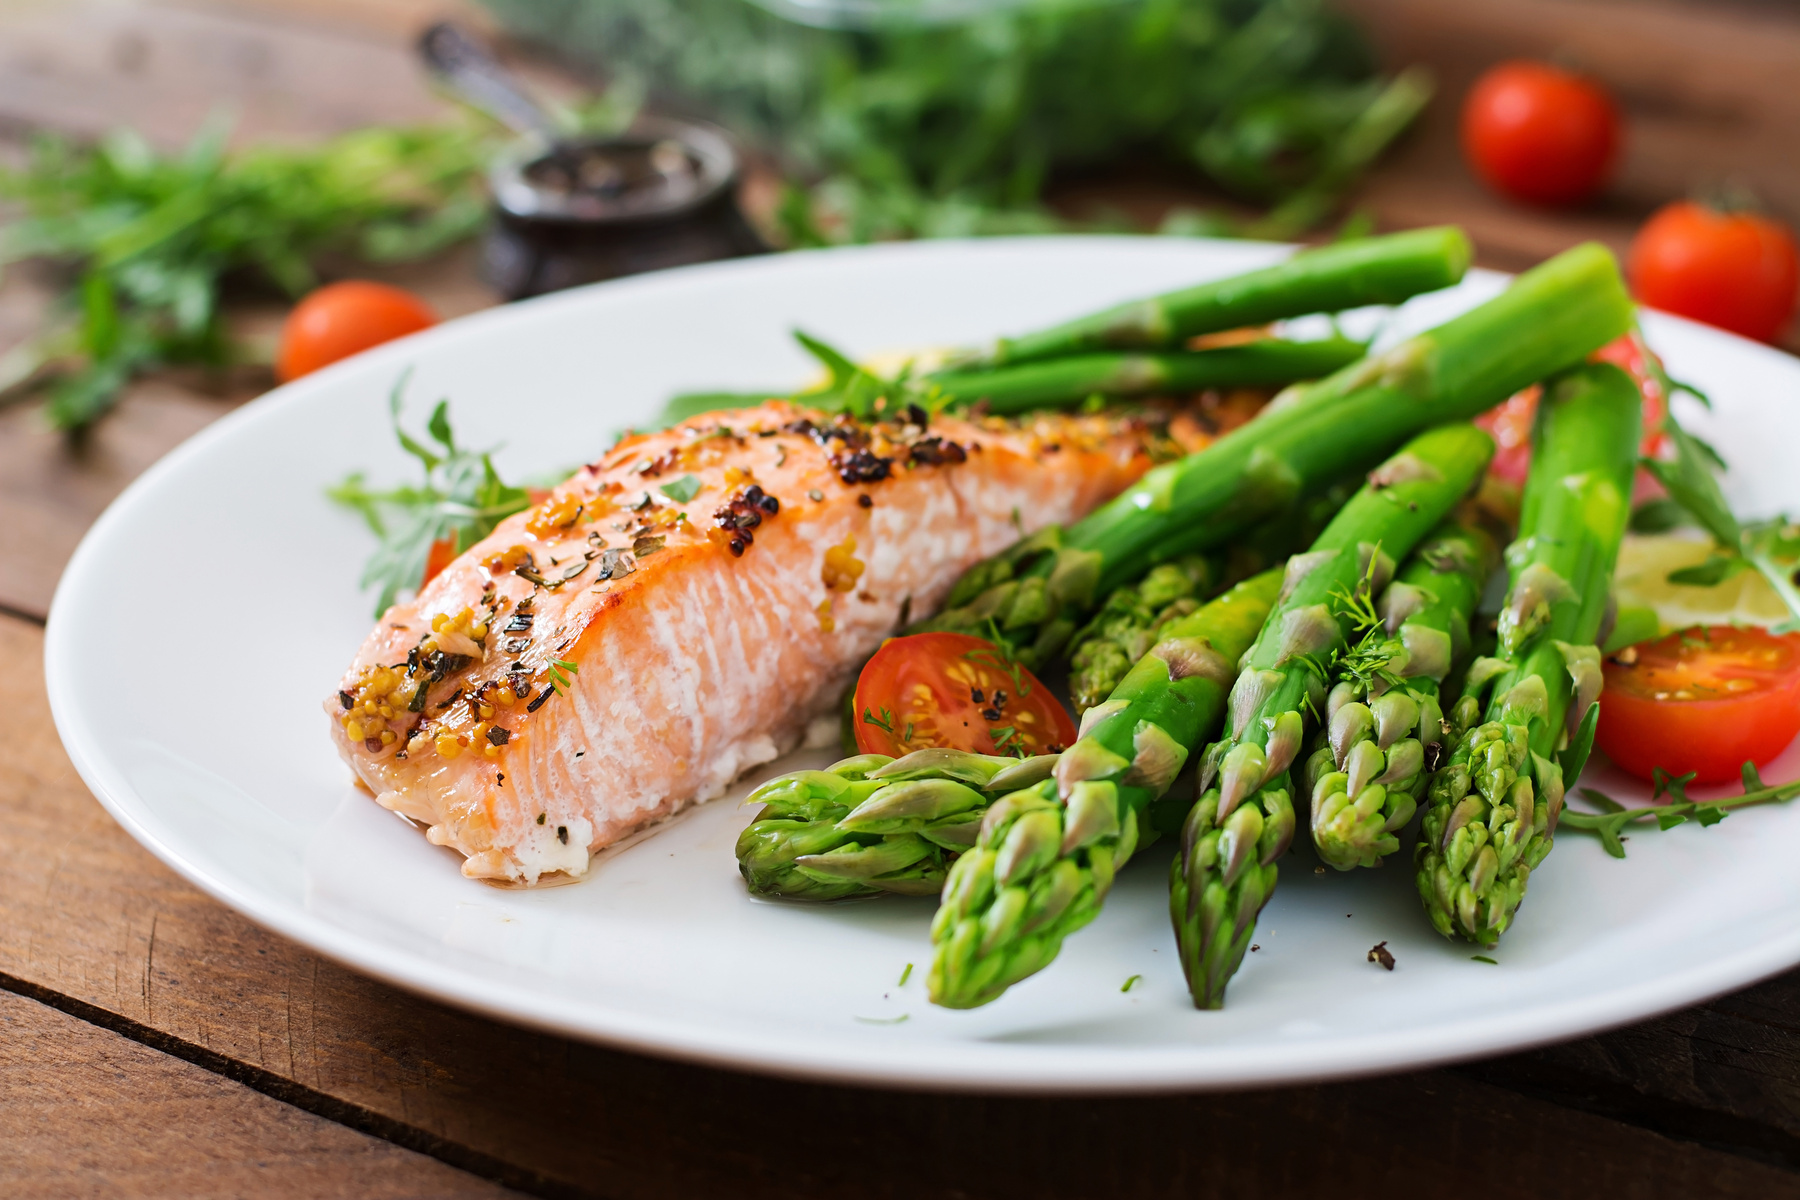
(907,1065)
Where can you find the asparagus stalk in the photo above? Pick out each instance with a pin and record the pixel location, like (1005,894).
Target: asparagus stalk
(1130,621)
(1063,381)
(871,824)
(1224,871)
(1041,590)
(1044,858)
(1492,808)
(1378,270)
(1384,727)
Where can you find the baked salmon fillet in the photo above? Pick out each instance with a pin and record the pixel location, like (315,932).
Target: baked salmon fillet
(684,609)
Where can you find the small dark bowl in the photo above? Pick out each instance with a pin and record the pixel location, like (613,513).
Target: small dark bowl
(661,195)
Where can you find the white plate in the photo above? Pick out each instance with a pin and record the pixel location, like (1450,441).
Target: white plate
(216,602)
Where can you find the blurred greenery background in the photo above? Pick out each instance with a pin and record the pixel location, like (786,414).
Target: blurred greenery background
(901,118)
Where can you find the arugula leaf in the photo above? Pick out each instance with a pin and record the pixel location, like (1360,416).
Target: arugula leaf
(1714,571)
(1613,817)
(1572,759)
(1772,548)
(1690,484)
(1658,516)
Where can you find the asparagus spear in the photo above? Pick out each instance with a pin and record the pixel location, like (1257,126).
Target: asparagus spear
(1041,590)
(1384,727)
(1492,807)
(872,824)
(1045,855)
(1128,624)
(1224,871)
(1064,381)
(1378,270)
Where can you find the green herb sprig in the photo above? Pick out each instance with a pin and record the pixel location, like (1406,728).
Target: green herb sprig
(848,388)
(148,239)
(562,675)
(1609,823)
(460,501)
(1771,547)
(904,125)
(1372,649)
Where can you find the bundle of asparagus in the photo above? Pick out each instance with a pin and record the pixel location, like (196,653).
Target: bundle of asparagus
(1025,851)
(1039,592)
(1068,835)
(1493,805)
(1383,724)
(1224,871)
(1140,348)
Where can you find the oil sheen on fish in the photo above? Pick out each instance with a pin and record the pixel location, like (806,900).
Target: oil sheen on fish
(684,609)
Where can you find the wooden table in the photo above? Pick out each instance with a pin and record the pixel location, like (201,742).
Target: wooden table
(154,1042)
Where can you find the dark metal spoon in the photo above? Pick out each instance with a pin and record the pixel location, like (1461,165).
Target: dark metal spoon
(468,69)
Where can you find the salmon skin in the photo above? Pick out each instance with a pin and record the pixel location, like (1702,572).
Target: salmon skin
(686,608)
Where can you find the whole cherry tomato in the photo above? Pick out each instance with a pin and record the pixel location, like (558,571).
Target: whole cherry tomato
(1539,133)
(341,319)
(956,691)
(1738,271)
(1707,700)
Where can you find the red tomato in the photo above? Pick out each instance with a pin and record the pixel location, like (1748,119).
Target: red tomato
(1510,421)
(341,319)
(1539,133)
(1629,353)
(1738,271)
(1706,699)
(950,689)
(1510,424)
(441,555)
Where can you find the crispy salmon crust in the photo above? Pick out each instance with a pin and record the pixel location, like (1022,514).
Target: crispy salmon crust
(682,610)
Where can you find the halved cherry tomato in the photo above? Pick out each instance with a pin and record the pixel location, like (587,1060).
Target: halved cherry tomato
(956,691)
(1736,270)
(1706,699)
(1539,133)
(1510,424)
(1510,421)
(341,319)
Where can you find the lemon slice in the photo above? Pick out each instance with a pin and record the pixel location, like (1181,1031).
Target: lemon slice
(1641,579)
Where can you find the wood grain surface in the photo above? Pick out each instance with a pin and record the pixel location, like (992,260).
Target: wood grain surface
(178,1048)
(157,1126)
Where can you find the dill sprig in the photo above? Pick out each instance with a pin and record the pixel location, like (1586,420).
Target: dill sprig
(562,672)
(1366,661)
